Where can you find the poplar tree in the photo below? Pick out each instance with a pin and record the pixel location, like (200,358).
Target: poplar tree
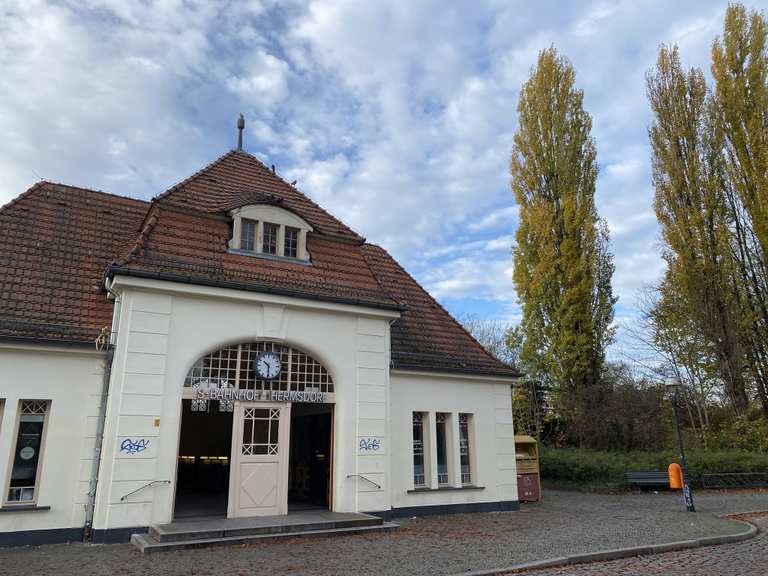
(562,262)
(690,207)
(740,112)
(740,71)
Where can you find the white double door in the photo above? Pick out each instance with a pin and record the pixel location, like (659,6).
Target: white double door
(258,474)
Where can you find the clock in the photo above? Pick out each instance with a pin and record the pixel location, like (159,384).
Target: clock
(268,366)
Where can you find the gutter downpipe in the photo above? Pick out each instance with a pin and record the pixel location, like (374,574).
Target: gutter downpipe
(90,506)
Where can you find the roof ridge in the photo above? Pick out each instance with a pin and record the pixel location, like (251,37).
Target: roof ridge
(44,183)
(433,299)
(147,226)
(23,195)
(200,172)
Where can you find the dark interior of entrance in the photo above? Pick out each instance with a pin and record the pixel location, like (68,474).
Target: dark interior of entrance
(202,481)
(309,473)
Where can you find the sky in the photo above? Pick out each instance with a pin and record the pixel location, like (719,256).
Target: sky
(395,116)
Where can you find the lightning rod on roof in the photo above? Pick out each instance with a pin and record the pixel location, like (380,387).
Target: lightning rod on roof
(240,127)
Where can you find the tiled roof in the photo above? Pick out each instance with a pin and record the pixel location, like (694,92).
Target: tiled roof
(192,247)
(426,337)
(57,243)
(220,185)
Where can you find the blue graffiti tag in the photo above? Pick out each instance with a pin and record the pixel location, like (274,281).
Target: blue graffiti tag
(130,447)
(370,444)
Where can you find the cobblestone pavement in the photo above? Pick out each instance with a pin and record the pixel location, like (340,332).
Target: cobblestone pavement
(748,558)
(564,523)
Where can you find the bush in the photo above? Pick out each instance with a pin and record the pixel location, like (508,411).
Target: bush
(596,468)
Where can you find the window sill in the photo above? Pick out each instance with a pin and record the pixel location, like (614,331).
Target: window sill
(274,257)
(445,489)
(24,508)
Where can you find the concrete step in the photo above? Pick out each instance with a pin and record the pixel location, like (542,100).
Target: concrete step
(147,544)
(185,531)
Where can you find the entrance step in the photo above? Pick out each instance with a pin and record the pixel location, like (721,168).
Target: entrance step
(224,531)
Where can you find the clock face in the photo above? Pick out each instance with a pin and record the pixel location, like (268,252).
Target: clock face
(268,366)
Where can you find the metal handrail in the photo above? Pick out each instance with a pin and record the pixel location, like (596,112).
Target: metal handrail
(122,498)
(364,478)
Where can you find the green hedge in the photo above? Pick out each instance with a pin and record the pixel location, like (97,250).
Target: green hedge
(591,467)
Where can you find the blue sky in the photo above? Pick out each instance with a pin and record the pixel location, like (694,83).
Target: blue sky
(396,116)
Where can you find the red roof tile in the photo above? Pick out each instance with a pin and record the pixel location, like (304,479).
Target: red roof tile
(57,242)
(235,176)
(426,337)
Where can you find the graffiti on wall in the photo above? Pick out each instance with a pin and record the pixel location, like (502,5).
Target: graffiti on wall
(129,446)
(369,445)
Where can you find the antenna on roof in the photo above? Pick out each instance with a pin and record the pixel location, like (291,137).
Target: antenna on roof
(273,169)
(240,127)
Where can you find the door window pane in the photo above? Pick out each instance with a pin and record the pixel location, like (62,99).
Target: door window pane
(418,450)
(260,431)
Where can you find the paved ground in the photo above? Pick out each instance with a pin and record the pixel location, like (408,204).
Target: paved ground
(565,523)
(748,558)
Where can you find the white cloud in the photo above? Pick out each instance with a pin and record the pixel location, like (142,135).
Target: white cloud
(396,116)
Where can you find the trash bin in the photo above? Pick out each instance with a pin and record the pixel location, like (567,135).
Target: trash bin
(527,459)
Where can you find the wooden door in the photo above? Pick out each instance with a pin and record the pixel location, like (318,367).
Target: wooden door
(258,482)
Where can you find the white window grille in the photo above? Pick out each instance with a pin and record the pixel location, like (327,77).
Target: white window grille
(233,367)
(261,429)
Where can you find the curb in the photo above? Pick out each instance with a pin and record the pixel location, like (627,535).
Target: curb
(618,553)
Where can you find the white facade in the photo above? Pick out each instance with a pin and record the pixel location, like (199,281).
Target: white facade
(70,379)
(162,328)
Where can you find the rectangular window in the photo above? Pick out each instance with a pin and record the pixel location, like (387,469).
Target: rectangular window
(269,245)
(27,452)
(247,234)
(442,448)
(291,244)
(466,469)
(418,450)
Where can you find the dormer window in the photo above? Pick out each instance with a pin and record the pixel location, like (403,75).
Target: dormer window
(291,244)
(269,231)
(248,234)
(269,242)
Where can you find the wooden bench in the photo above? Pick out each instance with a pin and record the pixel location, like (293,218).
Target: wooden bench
(647,479)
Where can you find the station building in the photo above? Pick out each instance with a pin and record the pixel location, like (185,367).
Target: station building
(228,349)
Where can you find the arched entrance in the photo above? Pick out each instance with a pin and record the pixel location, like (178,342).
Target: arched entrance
(256,433)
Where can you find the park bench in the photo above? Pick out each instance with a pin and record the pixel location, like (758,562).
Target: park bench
(647,479)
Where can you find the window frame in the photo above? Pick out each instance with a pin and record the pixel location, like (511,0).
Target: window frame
(245,223)
(295,241)
(40,457)
(264,226)
(466,421)
(424,451)
(447,446)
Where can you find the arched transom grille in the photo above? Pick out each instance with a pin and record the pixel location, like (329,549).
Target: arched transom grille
(233,367)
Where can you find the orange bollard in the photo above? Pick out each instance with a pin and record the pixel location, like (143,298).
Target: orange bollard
(675,476)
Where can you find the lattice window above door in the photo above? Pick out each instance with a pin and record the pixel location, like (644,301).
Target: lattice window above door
(233,367)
